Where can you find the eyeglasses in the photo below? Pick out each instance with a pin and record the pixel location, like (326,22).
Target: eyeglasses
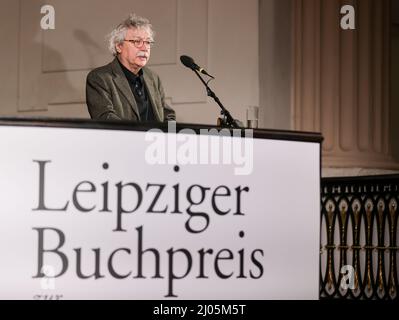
(138,43)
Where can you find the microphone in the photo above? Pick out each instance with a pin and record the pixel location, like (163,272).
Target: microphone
(189,63)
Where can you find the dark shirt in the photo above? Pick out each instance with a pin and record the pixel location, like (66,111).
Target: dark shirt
(137,85)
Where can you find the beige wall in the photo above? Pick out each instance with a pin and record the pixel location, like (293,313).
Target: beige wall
(275,68)
(45,70)
(8,56)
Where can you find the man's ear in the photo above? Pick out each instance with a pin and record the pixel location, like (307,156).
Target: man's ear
(118,48)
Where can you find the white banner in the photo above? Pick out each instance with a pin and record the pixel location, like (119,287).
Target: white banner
(95,214)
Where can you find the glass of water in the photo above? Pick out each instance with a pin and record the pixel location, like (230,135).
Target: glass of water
(252,117)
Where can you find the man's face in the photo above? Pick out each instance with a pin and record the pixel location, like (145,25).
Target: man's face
(130,56)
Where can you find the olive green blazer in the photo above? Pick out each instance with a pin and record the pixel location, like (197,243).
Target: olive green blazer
(109,97)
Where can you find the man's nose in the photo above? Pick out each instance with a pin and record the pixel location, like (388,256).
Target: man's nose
(144,48)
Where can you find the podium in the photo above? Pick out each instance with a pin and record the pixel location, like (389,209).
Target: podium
(115,210)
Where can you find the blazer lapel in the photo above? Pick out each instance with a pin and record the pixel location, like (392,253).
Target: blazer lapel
(149,83)
(123,86)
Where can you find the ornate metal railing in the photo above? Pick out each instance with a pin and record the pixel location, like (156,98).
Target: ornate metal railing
(359,253)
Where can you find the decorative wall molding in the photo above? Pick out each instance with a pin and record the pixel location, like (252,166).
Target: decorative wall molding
(341,81)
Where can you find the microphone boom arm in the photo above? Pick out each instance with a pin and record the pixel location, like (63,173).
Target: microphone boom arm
(229,121)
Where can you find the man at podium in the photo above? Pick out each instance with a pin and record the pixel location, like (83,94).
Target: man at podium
(126,89)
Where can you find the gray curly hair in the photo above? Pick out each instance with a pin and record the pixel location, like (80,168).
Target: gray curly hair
(118,34)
